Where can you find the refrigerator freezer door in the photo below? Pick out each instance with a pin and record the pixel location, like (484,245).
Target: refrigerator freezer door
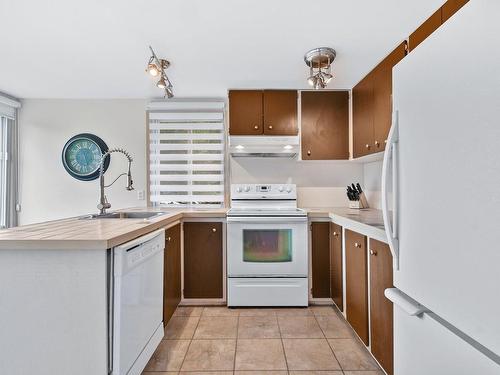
(447,95)
(424,346)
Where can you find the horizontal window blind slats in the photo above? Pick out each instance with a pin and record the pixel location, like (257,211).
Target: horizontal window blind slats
(187,167)
(183,137)
(187,116)
(186,153)
(186,198)
(187,126)
(187,157)
(188,146)
(188,177)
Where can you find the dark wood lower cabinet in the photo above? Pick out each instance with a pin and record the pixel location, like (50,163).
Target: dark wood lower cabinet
(320,249)
(336,285)
(203,261)
(357,283)
(381,309)
(172,272)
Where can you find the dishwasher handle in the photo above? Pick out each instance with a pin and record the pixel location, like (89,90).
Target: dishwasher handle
(132,254)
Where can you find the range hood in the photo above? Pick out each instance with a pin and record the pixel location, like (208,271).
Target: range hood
(264,146)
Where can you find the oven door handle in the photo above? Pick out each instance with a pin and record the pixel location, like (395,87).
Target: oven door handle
(266,219)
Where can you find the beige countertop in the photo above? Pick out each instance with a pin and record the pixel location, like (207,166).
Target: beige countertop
(81,233)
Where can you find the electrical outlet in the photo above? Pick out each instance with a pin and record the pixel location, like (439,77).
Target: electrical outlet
(141,195)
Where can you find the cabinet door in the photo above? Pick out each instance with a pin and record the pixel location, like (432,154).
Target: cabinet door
(320,249)
(381,317)
(203,260)
(382,97)
(450,8)
(356,283)
(172,272)
(280,112)
(245,112)
(362,116)
(336,285)
(424,30)
(325,125)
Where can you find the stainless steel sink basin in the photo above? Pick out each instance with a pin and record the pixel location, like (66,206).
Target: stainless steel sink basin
(126,215)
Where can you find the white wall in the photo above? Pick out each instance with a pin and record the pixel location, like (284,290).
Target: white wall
(47,190)
(319,183)
(372,177)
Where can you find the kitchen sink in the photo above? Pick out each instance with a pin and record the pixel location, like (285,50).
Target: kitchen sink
(126,215)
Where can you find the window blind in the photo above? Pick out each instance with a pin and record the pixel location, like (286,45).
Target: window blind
(186,153)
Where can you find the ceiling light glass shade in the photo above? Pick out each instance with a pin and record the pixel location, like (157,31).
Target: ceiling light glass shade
(153,70)
(312,80)
(327,77)
(161,83)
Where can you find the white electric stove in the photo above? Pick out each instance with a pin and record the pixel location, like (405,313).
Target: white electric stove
(267,252)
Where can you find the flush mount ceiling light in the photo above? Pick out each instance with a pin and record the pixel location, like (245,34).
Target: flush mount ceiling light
(319,61)
(156,67)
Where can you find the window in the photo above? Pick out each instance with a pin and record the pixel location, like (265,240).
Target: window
(8,162)
(186,153)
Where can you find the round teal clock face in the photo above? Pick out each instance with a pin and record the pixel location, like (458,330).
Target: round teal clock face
(82,155)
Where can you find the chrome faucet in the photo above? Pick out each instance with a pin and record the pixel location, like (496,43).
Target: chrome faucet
(103,201)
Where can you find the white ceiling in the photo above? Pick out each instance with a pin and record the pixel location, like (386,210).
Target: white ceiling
(99,48)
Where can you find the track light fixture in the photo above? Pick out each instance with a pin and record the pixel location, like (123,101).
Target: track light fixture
(156,67)
(319,61)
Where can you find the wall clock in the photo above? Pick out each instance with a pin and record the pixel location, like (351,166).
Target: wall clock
(81,156)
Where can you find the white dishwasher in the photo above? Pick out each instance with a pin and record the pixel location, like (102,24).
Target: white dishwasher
(137,302)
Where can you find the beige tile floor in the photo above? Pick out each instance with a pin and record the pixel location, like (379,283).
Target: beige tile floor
(285,341)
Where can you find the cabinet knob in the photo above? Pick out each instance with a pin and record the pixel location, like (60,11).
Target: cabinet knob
(358,245)
(367,146)
(335,234)
(270,127)
(168,239)
(256,127)
(385,141)
(373,252)
(214,230)
(377,143)
(308,152)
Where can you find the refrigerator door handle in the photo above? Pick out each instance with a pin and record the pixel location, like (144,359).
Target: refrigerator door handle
(391,153)
(407,304)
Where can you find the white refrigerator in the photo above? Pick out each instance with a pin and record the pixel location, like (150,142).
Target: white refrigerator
(441,180)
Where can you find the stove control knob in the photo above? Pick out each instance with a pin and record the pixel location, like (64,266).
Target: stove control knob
(247,189)
(239,189)
(288,189)
(280,189)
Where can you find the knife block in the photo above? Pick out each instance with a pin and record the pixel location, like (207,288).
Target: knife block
(361,203)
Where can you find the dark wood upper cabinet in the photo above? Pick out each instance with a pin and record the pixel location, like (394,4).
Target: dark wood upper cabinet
(245,112)
(362,116)
(424,30)
(382,96)
(325,125)
(172,272)
(336,285)
(320,249)
(258,112)
(381,309)
(203,262)
(357,283)
(280,112)
(450,8)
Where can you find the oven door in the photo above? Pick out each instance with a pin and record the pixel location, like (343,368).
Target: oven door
(267,246)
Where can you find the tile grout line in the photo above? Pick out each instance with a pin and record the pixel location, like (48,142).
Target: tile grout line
(328,342)
(236,344)
(282,344)
(190,341)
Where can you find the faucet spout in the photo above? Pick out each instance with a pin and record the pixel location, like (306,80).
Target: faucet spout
(103,201)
